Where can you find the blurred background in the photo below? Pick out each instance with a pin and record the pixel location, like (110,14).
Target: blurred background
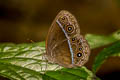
(25,20)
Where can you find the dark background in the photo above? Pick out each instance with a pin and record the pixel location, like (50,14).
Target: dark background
(25,20)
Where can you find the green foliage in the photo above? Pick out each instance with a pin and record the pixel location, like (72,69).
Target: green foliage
(21,62)
(113,50)
(70,74)
(26,61)
(96,41)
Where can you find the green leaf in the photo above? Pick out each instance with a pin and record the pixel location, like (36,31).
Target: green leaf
(70,74)
(113,50)
(26,62)
(22,61)
(96,41)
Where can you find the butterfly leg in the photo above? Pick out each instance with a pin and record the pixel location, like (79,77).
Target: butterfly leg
(45,62)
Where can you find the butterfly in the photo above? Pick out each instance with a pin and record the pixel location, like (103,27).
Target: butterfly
(64,44)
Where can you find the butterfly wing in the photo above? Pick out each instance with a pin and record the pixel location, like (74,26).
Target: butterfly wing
(79,48)
(64,44)
(57,45)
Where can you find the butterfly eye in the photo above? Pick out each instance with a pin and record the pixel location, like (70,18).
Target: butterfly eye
(63,20)
(69,28)
(79,54)
(80,49)
(73,39)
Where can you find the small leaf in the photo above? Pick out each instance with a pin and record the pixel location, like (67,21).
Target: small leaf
(113,50)
(96,41)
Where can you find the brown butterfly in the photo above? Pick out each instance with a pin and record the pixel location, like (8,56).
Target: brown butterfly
(65,45)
